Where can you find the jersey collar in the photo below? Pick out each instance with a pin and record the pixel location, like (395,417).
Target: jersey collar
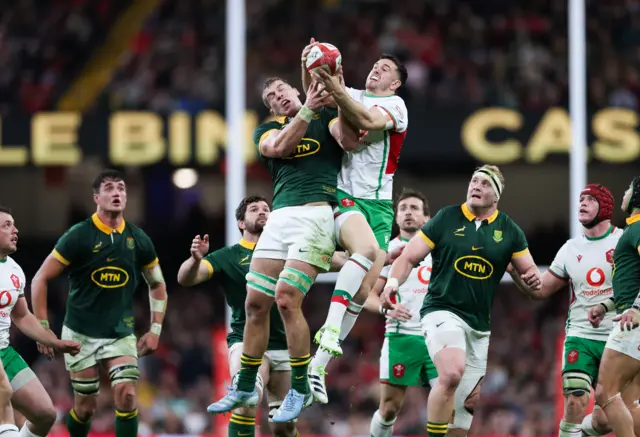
(606,234)
(634,218)
(247,244)
(470,216)
(104,228)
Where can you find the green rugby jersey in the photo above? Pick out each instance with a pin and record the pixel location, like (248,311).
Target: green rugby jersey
(229,267)
(469,261)
(311,173)
(105,269)
(626,265)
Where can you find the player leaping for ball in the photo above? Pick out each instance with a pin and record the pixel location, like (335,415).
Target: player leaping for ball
(620,364)
(106,258)
(364,215)
(302,150)
(17,380)
(586,263)
(471,246)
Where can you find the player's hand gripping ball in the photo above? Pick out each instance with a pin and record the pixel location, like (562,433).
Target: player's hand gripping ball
(324,56)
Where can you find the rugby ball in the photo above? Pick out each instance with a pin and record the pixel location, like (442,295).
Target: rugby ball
(324,56)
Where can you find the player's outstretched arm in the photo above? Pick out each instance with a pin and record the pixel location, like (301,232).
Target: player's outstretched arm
(414,252)
(158,306)
(358,115)
(344,133)
(31,327)
(529,279)
(50,269)
(194,270)
(280,143)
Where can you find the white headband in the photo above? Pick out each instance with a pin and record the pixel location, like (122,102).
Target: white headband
(493,179)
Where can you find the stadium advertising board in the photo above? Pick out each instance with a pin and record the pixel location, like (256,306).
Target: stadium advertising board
(491,135)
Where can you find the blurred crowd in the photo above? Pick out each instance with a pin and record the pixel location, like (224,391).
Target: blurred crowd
(518,395)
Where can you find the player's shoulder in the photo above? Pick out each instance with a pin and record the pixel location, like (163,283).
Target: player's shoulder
(225,252)
(84,226)
(272,123)
(449,211)
(507,219)
(616,233)
(12,264)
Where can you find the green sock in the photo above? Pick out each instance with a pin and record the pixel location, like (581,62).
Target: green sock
(299,373)
(76,427)
(242,426)
(127,423)
(248,373)
(437,429)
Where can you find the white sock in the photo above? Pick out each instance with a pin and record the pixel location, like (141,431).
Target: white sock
(347,285)
(588,429)
(570,429)
(323,357)
(26,432)
(380,428)
(9,430)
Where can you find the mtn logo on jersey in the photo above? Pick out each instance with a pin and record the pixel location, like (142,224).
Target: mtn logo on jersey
(609,255)
(110,277)
(474,267)
(307,146)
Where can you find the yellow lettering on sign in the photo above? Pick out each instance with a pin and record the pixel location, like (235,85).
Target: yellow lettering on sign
(54,138)
(136,138)
(179,138)
(552,135)
(12,156)
(474,135)
(617,139)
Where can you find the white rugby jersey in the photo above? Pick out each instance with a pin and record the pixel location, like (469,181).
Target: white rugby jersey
(410,294)
(587,264)
(367,173)
(12,282)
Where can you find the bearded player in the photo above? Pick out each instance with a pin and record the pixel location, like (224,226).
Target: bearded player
(471,246)
(364,215)
(404,359)
(620,363)
(303,150)
(18,383)
(106,258)
(585,263)
(229,266)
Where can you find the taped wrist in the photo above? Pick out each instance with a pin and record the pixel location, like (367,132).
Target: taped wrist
(306,114)
(609,305)
(157,305)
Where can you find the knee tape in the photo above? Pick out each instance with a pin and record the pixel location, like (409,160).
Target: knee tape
(86,386)
(463,416)
(124,373)
(297,279)
(576,383)
(262,283)
(273,407)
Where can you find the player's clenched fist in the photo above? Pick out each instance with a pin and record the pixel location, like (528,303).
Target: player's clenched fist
(67,347)
(389,293)
(200,247)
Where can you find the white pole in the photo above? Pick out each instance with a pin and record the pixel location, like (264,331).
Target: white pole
(235,108)
(577,108)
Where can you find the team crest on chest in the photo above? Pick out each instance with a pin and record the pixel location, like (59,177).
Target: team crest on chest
(497,236)
(131,243)
(15,280)
(609,255)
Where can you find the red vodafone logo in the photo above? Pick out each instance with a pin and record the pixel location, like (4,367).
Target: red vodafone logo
(424,275)
(5,299)
(595,277)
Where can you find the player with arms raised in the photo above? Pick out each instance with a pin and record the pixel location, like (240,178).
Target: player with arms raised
(302,150)
(586,263)
(364,215)
(29,396)
(471,245)
(620,365)
(106,259)
(404,360)
(229,266)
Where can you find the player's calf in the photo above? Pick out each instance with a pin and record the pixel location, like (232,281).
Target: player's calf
(124,375)
(577,388)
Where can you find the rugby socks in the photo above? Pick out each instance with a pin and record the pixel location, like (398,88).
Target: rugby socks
(380,428)
(588,429)
(9,430)
(248,373)
(322,357)
(77,427)
(347,285)
(127,423)
(299,379)
(242,426)
(570,429)
(26,432)
(437,429)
